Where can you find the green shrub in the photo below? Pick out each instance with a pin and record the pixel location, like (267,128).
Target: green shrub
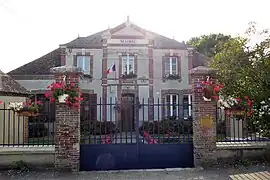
(167,126)
(98,127)
(19,166)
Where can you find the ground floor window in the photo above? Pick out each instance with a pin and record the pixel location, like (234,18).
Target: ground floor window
(172,104)
(187,106)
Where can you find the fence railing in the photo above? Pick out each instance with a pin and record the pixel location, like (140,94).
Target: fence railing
(235,126)
(16,130)
(132,121)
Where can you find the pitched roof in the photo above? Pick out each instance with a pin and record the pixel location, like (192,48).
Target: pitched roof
(9,85)
(94,40)
(40,66)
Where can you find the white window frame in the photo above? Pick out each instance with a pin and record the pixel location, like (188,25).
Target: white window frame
(84,60)
(189,105)
(127,58)
(170,59)
(171,104)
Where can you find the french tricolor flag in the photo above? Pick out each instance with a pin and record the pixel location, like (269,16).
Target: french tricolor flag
(111,69)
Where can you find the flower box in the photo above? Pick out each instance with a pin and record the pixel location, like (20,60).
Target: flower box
(172,76)
(27,113)
(128,76)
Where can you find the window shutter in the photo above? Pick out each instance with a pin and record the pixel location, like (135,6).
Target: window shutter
(163,66)
(91,64)
(75,60)
(179,66)
(93,106)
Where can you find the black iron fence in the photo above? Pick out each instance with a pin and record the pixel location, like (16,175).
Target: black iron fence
(236,126)
(17,130)
(131,120)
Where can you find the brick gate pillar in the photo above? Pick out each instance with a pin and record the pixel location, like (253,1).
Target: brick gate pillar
(204,120)
(67,124)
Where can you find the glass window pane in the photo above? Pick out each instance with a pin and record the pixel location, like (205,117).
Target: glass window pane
(167,106)
(167,65)
(174,106)
(131,60)
(87,65)
(174,60)
(174,65)
(80,61)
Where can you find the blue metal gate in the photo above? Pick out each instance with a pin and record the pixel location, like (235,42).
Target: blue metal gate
(138,135)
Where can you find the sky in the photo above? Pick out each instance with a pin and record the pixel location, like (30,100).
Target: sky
(30,29)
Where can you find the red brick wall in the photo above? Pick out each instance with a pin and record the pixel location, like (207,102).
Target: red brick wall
(204,137)
(67,124)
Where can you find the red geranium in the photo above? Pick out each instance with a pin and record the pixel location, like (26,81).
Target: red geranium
(59,88)
(211,89)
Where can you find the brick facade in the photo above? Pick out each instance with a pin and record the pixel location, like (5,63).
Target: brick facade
(151,80)
(67,122)
(204,121)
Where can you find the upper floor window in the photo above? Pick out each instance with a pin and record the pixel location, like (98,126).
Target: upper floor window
(84,63)
(171,101)
(171,66)
(128,64)
(187,103)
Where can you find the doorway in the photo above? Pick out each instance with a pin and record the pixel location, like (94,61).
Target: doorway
(127,113)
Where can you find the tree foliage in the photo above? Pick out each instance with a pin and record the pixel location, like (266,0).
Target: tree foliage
(244,68)
(208,44)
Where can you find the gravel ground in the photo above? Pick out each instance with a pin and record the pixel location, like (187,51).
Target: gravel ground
(242,173)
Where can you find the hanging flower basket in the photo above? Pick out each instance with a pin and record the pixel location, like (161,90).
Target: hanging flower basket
(207,99)
(62,98)
(67,93)
(211,90)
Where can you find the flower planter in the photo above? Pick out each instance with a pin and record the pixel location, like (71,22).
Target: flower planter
(62,98)
(206,99)
(235,111)
(27,113)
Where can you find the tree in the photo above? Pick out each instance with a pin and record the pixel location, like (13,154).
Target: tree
(244,68)
(208,44)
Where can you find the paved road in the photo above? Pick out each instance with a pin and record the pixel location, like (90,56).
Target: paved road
(256,173)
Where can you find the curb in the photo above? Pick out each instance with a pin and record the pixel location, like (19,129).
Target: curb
(148,170)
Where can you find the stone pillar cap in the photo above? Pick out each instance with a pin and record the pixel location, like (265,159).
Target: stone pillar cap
(65,69)
(202,70)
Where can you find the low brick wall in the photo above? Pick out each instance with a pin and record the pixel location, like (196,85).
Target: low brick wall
(229,152)
(40,157)
(35,157)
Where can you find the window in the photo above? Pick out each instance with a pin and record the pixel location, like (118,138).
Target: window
(171,65)
(128,64)
(187,109)
(84,63)
(171,101)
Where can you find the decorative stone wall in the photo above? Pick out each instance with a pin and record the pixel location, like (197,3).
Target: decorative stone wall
(67,142)
(204,121)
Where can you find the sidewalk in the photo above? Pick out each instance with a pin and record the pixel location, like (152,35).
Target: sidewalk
(250,173)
